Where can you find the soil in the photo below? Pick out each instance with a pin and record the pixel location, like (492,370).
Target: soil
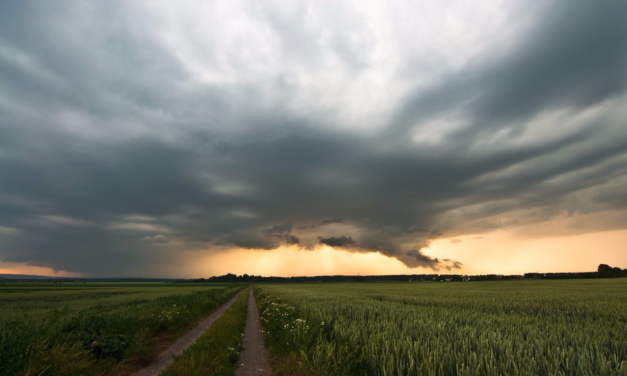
(254,358)
(167,357)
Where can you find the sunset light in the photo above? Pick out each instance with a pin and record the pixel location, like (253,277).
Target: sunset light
(313,188)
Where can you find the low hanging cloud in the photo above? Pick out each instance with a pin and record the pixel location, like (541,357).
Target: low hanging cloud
(157,239)
(420,259)
(248,241)
(291,239)
(279,230)
(412,258)
(283,232)
(307,134)
(340,242)
(331,221)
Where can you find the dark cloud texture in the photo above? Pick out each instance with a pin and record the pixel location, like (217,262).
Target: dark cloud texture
(331,221)
(341,242)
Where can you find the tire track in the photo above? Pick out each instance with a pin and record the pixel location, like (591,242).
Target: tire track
(254,358)
(167,357)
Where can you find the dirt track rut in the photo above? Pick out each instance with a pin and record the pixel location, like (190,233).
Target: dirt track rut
(167,357)
(254,358)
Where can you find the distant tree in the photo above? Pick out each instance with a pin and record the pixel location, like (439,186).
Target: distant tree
(605,271)
(533,275)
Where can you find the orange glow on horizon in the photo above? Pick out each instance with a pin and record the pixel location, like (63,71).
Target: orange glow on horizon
(21,268)
(290,261)
(499,252)
(507,252)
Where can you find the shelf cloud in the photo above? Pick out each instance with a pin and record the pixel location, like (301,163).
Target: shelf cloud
(132,132)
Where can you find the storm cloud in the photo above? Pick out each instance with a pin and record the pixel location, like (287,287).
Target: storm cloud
(131,132)
(157,239)
(331,221)
(341,242)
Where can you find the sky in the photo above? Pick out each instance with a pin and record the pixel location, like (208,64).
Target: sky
(197,138)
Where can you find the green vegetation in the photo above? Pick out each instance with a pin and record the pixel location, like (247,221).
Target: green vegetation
(606,271)
(570,327)
(96,329)
(301,346)
(35,300)
(215,352)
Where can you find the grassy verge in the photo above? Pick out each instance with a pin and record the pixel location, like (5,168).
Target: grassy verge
(300,345)
(215,352)
(114,339)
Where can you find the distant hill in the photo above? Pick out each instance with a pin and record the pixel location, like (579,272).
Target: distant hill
(27,277)
(24,276)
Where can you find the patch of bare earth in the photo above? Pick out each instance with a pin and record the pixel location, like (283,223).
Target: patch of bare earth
(254,358)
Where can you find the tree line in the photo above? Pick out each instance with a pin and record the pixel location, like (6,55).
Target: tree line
(603,271)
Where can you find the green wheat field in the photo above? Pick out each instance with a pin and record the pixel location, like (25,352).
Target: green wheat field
(518,327)
(525,327)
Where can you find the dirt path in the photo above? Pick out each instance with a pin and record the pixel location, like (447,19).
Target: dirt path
(166,358)
(254,359)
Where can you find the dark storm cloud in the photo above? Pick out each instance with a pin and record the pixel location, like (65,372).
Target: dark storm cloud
(412,258)
(420,259)
(282,232)
(157,239)
(114,159)
(246,240)
(341,242)
(291,239)
(282,229)
(331,221)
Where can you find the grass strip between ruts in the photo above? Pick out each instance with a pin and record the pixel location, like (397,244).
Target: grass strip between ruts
(216,352)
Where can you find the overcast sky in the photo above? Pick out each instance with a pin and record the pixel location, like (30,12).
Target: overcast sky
(134,135)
